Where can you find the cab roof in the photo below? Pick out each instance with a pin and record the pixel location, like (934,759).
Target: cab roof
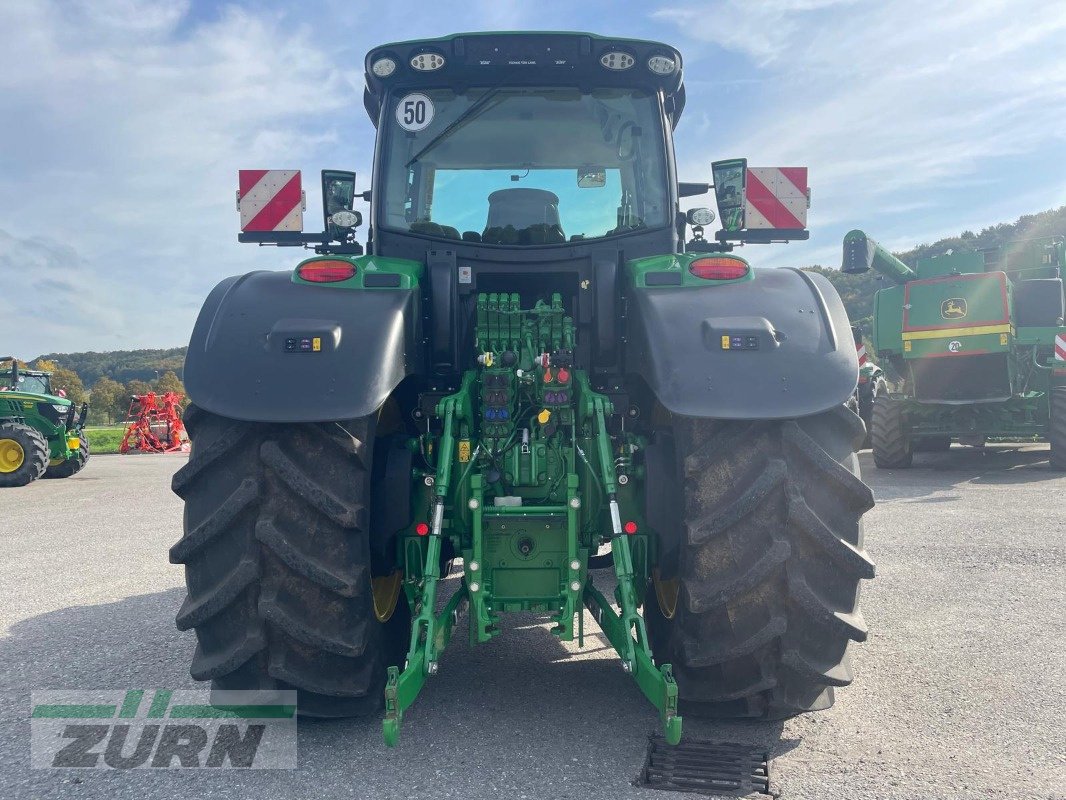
(534,58)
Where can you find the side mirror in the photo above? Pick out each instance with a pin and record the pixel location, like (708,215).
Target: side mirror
(338,197)
(728,179)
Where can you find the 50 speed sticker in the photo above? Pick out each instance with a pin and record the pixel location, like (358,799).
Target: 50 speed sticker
(414,112)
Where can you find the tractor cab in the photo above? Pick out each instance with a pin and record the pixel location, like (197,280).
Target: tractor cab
(24,380)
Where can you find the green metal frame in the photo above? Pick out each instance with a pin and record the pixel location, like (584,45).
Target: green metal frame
(584,465)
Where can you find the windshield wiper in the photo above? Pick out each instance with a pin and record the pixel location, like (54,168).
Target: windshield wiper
(458,122)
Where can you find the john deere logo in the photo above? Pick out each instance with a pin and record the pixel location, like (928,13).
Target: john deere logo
(955,308)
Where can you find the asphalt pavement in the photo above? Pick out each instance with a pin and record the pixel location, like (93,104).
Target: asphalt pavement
(960,691)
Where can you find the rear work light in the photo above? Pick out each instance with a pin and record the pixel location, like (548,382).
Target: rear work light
(719,268)
(617,60)
(427,62)
(326,271)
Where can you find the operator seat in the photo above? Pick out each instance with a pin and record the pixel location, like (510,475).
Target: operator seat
(523,216)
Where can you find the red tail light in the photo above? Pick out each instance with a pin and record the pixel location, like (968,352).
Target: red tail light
(718,268)
(326,271)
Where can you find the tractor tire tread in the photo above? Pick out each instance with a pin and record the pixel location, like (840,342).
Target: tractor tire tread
(891,446)
(1057,428)
(771,565)
(278,563)
(35,452)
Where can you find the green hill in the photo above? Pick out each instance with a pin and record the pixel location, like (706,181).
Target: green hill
(121,365)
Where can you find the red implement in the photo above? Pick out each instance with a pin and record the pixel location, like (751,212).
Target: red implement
(153,425)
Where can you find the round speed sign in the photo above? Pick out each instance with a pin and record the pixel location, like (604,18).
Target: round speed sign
(414,112)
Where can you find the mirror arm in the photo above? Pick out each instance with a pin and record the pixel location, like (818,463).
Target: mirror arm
(692,189)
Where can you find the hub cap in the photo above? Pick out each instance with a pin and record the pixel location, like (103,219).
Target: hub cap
(386,593)
(12,456)
(666,593)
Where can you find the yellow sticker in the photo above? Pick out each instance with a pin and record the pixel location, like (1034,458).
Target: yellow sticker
(316,344)
(906,347)
(464,450)
(725,341)
(1003,338)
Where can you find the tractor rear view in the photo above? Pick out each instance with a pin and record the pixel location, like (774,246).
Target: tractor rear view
(980,341)
(532,371)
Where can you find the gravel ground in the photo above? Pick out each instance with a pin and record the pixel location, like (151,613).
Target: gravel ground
(959,690)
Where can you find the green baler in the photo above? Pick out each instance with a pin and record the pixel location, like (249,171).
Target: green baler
(980,341)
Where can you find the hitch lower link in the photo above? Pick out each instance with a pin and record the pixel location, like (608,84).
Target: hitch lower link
(624,629)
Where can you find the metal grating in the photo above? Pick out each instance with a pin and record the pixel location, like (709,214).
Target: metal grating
(702,767)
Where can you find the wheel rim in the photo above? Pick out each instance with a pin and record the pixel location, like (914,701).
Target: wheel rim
(666,593)
(386,592)
(12,456)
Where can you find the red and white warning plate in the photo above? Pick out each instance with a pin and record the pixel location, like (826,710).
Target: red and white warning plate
(270,200)
(776,197)
(1060,349)
(860,351)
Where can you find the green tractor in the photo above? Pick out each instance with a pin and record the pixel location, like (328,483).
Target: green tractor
(873,383)
(979,340)
(530,371)
(40,432)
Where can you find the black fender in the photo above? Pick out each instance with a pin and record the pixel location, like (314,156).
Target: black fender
(796,354)
(251,355)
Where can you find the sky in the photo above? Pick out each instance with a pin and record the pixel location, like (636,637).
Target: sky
(123,124)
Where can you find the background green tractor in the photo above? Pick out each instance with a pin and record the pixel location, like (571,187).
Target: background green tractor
(979,340)
(40,432)
(873,383)
(533,372)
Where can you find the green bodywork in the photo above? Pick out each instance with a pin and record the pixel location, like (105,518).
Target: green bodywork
(951,328)
(525,482)
(38,408)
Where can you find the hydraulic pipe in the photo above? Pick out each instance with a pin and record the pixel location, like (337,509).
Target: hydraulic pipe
(861,253)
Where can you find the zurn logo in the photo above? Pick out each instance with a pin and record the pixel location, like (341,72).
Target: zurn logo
(163,729)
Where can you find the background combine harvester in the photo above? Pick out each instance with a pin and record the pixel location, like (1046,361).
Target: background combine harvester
(531,363)
(154,425)
(979,340)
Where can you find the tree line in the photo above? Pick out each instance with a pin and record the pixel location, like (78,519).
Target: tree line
(109,400)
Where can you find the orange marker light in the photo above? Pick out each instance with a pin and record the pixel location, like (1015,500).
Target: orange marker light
(547,376)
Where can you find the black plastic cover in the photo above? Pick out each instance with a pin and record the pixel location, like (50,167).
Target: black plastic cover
(790,351)
(266,349)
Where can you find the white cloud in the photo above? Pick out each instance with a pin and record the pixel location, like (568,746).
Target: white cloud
(129,129)
(899,108)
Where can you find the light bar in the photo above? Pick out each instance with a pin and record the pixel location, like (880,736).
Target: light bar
(617,60)
(427,62)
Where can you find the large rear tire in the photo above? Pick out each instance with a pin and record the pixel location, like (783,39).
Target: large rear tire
(1057,431)
(23,454)
(888,435)
(771,556)
(277,563)
(72,465)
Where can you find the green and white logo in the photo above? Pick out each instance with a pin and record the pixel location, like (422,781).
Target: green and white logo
(163,729)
